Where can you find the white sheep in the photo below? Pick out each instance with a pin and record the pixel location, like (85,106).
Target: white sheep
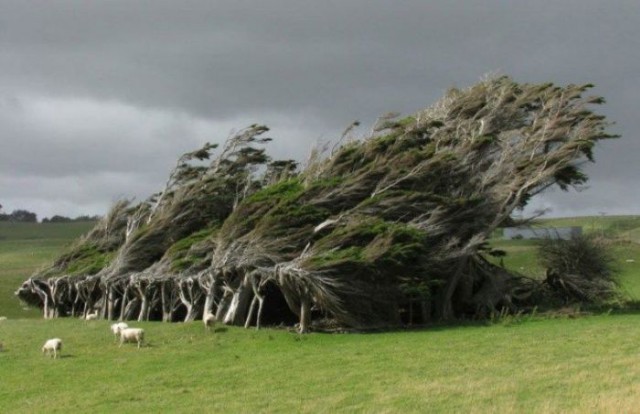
(209,320)
(3,318)
(91,316)
(52,347)
(131,335)
(117,327)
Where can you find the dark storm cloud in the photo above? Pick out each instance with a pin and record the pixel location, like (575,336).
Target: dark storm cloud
(90,89)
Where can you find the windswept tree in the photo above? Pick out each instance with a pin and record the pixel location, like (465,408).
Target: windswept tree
(382,231)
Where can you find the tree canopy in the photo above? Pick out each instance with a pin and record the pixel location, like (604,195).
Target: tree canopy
(381,231)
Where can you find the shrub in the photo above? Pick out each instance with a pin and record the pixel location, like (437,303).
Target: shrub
(581,268)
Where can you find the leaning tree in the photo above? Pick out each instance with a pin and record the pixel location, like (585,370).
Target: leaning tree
(381,231)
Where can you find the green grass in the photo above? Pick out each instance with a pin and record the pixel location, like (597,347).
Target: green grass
(588,364)
(26,247)
(46,231)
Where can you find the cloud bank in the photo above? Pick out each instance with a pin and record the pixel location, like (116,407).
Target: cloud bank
(98,99)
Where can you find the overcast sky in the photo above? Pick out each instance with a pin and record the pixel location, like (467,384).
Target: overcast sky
(99,98)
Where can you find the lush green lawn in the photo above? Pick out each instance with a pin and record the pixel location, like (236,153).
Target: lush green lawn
(526,364)
(590,364)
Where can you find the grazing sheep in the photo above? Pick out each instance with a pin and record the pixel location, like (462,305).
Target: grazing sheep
(209,320)
(131,335)
(117,327)
(3,318)
(52,347)
(91,316)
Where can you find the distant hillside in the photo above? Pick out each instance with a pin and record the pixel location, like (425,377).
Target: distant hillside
(620,227)
(32,231)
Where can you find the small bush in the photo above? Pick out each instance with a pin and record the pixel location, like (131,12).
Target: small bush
(588,256)
(581,268)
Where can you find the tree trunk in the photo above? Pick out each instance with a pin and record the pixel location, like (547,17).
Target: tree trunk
(124,303)
(223,306)
(167,302)
(53,287)
(209,300)
(190,295)
(447,305)
(237,312)
(425,308)
(110,302)
(144,304)
(129,310)
(305,314)
(247,323)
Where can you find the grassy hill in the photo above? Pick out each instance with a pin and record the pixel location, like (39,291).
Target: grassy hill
(515,364)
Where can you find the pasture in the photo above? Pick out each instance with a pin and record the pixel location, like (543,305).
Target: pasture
(24,248)
(534,363)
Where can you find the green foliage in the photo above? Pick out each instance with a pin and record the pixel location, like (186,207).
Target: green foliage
(184,263)
(391,250)
(483,140)
(398,246)
(180,247)
(87,260)
(85,257)
(293,215)
(283,191)
(339,256)
(186,253)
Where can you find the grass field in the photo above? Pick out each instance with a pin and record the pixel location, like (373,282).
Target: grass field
(518,364)
(590,364)
(24,248)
